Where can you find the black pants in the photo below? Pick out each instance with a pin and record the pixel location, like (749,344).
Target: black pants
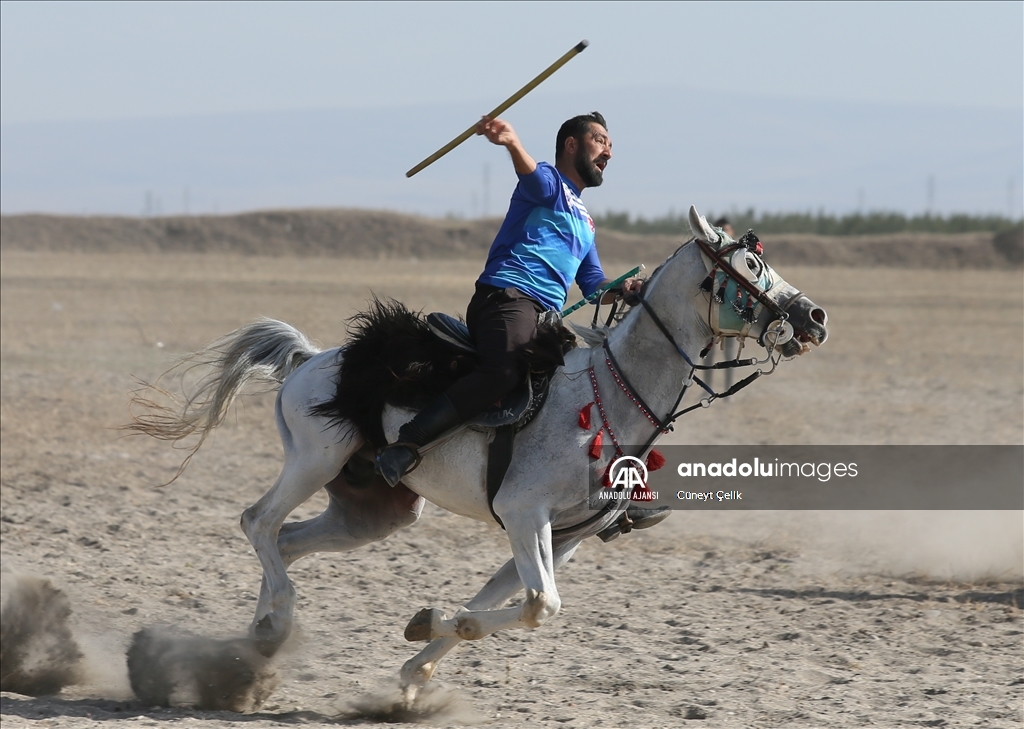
(502,322)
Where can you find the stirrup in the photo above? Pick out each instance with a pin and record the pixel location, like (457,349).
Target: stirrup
(408,446)
(635,517)
(622,525)
(644,518)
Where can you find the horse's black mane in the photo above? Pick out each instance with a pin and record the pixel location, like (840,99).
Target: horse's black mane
(393,358)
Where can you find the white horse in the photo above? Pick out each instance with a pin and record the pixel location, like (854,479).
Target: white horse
(543,501)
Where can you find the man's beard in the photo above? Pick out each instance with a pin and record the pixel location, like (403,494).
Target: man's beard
(587,170)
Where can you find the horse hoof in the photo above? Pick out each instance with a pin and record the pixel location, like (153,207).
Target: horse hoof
(266,638)
(422,625)
(409,693)
(416,674)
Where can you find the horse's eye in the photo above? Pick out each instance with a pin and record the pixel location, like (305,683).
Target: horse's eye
(754,263)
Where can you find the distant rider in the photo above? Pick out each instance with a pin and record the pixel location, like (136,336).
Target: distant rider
(545,243)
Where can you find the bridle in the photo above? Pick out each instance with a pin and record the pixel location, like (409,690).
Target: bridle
(718,256)
(718,260)
(664,425)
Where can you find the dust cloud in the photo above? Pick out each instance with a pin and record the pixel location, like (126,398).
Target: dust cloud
(41,654)
(969,547)
(434,704)
(167,668)
(38,652)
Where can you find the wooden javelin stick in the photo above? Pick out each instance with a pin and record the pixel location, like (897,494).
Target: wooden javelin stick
(577,49)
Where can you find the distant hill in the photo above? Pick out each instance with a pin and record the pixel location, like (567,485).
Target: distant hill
(381,235)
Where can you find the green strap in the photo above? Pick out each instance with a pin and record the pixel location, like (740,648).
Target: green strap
(601,290)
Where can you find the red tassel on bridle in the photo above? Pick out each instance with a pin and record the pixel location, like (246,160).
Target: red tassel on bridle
(584,419)
(655,460)
(584,422)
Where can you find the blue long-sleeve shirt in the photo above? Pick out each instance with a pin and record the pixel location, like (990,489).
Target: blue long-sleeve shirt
(546,241)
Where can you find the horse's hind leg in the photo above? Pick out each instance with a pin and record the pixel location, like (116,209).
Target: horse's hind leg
(261,523)
(353,518)
(313,457)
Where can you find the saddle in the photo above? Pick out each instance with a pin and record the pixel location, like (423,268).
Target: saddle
(508,416)
(517,408)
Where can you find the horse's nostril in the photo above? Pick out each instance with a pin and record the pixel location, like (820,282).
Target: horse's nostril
(819,316)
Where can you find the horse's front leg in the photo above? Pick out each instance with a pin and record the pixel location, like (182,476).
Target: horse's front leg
(529,534)
(502,586)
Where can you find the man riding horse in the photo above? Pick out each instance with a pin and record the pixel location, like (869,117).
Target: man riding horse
(545,243)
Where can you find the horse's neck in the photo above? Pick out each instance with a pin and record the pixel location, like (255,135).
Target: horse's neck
(648,360)
(651,364)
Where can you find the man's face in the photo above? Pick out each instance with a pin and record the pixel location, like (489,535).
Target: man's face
(592,154)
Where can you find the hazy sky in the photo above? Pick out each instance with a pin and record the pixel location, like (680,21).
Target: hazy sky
(87,61)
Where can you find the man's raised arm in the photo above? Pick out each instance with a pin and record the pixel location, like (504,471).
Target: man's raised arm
(500,132)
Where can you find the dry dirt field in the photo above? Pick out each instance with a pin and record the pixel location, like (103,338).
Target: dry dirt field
(789,619)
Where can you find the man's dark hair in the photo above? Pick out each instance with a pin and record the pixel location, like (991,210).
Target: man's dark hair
(721,222)
(576,127)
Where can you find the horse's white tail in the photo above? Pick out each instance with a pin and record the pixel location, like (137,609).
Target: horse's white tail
(266,350)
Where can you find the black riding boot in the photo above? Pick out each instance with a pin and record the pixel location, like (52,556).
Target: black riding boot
(397,459)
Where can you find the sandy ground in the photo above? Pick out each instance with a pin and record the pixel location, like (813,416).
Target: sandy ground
(809,619)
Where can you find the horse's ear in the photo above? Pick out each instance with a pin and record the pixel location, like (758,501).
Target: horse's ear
(700,227)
